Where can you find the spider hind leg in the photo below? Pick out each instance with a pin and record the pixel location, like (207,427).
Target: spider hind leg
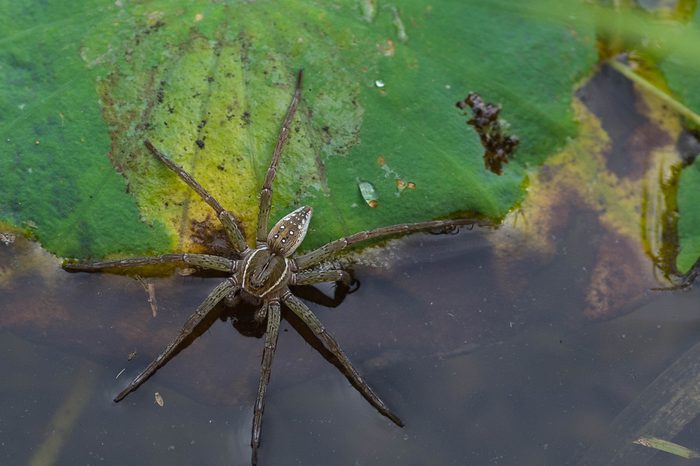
(216,295)
(312,322)
(272,309)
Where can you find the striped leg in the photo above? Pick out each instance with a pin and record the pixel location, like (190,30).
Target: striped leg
(319,255)
(227,219)
(310,277)
(273,328)
(203,261)
(217,294)
(305,314)
(266,192)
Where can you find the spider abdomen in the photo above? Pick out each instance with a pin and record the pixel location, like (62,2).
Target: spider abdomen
(265,273)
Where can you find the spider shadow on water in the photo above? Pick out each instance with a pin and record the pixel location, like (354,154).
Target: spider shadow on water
(241,315)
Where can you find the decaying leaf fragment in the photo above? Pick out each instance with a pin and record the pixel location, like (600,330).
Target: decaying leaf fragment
(498,145)
(369,194)
(668,447)
(150,289)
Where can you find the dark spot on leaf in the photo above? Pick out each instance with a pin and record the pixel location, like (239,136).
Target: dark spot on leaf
(200,143)
(202,124)
(155,27)
(160,94)
(245,118)
(498,145)
(210,237)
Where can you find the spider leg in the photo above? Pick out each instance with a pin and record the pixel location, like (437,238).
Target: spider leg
(273,327)
(227,218)
(309,277)
(266,192)
(305,314)
(217,294)
(319,255)
(204,261)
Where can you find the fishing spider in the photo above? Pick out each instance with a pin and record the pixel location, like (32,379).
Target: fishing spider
(262,274)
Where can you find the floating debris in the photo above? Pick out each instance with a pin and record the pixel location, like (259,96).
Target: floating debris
(131,356)
(369,194)
(185,271)
(402,184)
(668,447)
(491,130)
(369,9)
(120,373)
(388,48)
(159,399)
(379,83)
(7,238)
(151,291)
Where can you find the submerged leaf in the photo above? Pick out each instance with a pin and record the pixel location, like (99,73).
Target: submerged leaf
(667,446)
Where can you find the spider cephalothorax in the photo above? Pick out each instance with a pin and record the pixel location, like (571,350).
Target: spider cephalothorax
(266,271)
(262,274)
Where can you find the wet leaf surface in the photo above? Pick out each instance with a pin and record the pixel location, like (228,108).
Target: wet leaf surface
(208,83)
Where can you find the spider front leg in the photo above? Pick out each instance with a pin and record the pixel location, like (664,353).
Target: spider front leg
(227,219)
(273,327)
(311,277)
(311,321)
(203,261)
(317,256)
(217,294)
(266,192)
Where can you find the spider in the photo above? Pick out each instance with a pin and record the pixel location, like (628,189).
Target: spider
(261,275)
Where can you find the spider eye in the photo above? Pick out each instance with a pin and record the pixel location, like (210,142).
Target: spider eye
(287,234)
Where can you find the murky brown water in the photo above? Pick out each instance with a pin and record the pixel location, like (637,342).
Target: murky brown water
(477,380)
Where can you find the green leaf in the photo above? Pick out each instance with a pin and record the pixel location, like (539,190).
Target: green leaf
(689,218)
(684,80)
(682,71)
(55,177)
(208,82)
